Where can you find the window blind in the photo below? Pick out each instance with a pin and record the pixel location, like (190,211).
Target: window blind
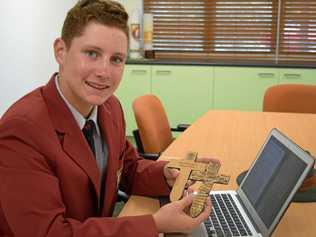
(298,30)
(179,26)
(256,30)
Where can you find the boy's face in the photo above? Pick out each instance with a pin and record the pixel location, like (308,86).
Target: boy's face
(92,67)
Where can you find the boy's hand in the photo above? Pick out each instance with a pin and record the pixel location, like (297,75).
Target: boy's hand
(172,217)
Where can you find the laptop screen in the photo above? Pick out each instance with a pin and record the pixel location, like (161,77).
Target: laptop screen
(271,179)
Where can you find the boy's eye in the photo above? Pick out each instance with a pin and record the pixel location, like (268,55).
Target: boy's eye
(91,54)
(117,60)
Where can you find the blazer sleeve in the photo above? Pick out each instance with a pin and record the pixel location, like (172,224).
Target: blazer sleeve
(31,203)
(141,176)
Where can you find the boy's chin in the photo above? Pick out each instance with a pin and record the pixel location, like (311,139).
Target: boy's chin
(98,101)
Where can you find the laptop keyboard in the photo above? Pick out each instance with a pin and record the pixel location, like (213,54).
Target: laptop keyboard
(225,219)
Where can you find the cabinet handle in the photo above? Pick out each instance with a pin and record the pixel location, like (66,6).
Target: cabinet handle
(292,75)
(266,74)
(135,71)
(163,72)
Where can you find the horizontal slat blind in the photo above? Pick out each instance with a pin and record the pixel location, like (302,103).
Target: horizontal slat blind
(298,30)
(195,28)
(245,28)
(179,26)
(234,29)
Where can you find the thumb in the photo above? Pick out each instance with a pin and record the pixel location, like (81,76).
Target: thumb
(174,173)
(170,173)
(186,201)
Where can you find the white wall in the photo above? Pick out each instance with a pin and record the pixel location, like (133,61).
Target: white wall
(27,32)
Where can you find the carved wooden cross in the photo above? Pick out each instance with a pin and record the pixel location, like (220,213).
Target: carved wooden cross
(186,166)
(208,178)
(196,171)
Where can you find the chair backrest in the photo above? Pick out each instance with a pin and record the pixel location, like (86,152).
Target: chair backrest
(292,98)
(153,124)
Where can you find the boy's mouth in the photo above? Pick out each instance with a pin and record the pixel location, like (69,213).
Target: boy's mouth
(97,86)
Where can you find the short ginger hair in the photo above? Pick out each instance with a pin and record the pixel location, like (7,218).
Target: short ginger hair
(105,12)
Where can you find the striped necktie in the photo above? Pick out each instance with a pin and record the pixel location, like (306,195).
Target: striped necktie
(88,130)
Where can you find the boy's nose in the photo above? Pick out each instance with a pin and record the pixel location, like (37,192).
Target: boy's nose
(104,68)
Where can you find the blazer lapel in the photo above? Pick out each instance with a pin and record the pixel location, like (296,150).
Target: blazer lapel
(79,151)
(107,128)
(73,141)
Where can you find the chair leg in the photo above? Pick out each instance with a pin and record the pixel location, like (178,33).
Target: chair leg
(138,141)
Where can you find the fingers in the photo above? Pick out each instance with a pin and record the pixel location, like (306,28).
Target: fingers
(170,173)
(190,190)
(186,201)
(189,183)
(192,223)
(173,173)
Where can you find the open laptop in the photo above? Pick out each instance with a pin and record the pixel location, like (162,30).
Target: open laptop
(262,198)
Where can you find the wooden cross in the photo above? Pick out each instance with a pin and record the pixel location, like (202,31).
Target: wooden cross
(186,166)
(208,178)
(196,171)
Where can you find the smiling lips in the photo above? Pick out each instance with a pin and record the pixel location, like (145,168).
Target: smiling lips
(97,86)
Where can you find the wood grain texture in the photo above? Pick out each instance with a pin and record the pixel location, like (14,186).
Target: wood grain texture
(235,137)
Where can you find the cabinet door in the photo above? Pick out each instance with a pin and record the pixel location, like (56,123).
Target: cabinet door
(298,76)
(185,91)
(242,88)
(135,82)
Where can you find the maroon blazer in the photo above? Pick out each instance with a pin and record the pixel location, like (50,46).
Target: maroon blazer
(49,179)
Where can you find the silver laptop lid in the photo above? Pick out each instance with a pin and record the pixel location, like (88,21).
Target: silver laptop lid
(274,177)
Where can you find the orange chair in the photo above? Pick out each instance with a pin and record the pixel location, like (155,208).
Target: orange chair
(292,98)
(154,134)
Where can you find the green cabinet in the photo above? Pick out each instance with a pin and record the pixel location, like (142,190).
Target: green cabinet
(185,91)
(136,81)
(299,76)
(241,88)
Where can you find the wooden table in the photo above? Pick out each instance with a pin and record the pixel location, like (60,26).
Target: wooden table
(235,137)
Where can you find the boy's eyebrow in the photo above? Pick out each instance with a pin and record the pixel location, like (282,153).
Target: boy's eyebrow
(100,50)
(93,47)
(120,54)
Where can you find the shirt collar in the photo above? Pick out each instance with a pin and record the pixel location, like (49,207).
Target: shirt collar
(78,117)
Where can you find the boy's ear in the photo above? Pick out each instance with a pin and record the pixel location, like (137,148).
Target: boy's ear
(60,50)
